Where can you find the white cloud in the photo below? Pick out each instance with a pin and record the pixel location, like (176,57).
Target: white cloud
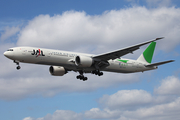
(125,99)
(9,32)
(35,80)
(63,115)
(96,113)
(161,111)
(29,118)
(92,34)
(60,115)
(48,86)
(96,34)
(128,105)
(169,86)
(100,33)
(122,105)
(6,65)
(158,112)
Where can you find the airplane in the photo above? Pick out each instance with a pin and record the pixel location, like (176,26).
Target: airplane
(61,62)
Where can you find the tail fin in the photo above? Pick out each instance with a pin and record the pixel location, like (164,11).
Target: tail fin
(148,53)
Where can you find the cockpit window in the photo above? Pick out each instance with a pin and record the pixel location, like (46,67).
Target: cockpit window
(10,50)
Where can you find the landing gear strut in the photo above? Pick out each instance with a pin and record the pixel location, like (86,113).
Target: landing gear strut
(81,76)
(17,63)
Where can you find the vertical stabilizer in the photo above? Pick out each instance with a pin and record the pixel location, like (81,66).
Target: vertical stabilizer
(148,53)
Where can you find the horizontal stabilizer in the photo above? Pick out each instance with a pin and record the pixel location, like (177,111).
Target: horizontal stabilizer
(159,63)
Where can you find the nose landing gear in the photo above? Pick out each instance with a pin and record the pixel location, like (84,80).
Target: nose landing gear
(18,67)
(17,63)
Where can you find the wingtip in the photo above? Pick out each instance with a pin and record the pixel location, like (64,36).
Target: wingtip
(159,38)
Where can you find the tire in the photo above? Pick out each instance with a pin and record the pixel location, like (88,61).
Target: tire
(85,78)
(78,77)
(18,67)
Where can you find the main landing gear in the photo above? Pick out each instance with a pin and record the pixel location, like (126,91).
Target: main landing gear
(97,72)
(81,76)
(17,63)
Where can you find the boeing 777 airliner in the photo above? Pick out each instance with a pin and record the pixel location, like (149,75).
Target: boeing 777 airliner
(63,61)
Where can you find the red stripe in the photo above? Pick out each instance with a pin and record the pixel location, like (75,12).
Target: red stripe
(39,52)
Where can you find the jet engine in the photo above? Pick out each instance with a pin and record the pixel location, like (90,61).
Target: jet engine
(83,61)
(57,70)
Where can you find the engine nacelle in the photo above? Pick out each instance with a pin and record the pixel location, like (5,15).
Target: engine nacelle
(57,70)
(83,61)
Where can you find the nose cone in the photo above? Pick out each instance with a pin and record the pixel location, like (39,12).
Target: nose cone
(8,54)
(5,54)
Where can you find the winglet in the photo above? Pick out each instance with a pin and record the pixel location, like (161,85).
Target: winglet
(159,38)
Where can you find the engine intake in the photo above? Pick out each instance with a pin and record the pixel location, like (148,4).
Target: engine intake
(57,70)
(83,61)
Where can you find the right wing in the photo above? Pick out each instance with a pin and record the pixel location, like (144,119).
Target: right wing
(119,53)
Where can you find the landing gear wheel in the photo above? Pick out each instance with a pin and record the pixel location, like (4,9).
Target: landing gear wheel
(78,77)
(100,74)
(17,63)
(81,77)
(85,78)
(18,67)
(97,72)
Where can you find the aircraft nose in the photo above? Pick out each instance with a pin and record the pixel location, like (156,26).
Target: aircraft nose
(5,54)
(8,54)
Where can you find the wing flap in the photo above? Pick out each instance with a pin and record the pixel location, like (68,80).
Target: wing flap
(159,63)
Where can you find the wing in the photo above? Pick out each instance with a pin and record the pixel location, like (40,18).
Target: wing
(122,52)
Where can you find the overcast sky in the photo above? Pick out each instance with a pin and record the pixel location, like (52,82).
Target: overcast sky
(93,27)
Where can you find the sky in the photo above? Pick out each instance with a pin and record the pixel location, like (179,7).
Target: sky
(93,27)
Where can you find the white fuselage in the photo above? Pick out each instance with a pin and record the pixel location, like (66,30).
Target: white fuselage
(66,59)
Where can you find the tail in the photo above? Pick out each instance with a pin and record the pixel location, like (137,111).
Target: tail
(147,55)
